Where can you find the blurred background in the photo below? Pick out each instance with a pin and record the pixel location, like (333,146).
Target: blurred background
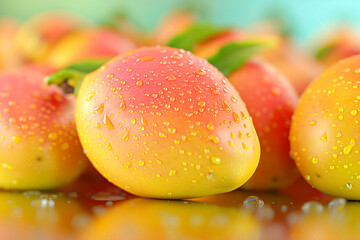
(304,19)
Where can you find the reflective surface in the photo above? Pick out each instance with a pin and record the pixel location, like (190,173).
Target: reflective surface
(95,209)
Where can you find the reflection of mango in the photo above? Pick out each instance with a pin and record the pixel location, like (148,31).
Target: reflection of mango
(99,43)
(343,224)
(35,215)
(38,34)
(158,219)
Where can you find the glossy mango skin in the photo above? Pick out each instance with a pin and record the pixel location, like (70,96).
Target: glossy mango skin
(160,122)
(39,147)
(325,131)
(88,43)
(299,67)
(271,102)
(37,35)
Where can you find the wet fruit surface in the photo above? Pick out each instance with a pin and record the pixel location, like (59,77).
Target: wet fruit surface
(325,131)
(38,141)
(271,104)
(160,122)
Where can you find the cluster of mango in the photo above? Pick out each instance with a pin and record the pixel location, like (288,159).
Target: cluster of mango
(190,110)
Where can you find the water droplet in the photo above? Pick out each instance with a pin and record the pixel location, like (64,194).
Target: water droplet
(216,160)
(200,72)
(141,162)
(240,135)
(144,122)
(210,125)
(126,136)
(349,185)
(108,146)
(209,176)
(172,172)
(243,115)
(146,59)
(171,78)
(215,90)
(337,204)
(123,105)
(16,139)
(353,112)
(226,106)
(312,123)
(253,202)
(126,164)
(236,117)
(331,92)
(177,56)
(348,148)
(212,138)
(107,122)
(139,83)
(99,109)
(245,146)
(202,104)
(52,136)
(312,207)
(172,130)
(324,137)
(7,166)
(198,89)
(314,160)
(90,96)
(162,135)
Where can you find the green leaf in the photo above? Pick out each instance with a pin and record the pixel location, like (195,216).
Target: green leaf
(71,77)
(87,66)
(194,35)
(322,52)
(233,55)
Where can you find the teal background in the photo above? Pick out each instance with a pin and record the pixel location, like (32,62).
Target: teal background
(305,18)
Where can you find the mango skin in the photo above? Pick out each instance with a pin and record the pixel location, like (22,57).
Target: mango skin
(36,36)
(160,122)
(88,43)
(271,103)
(324,134)
(39,147)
